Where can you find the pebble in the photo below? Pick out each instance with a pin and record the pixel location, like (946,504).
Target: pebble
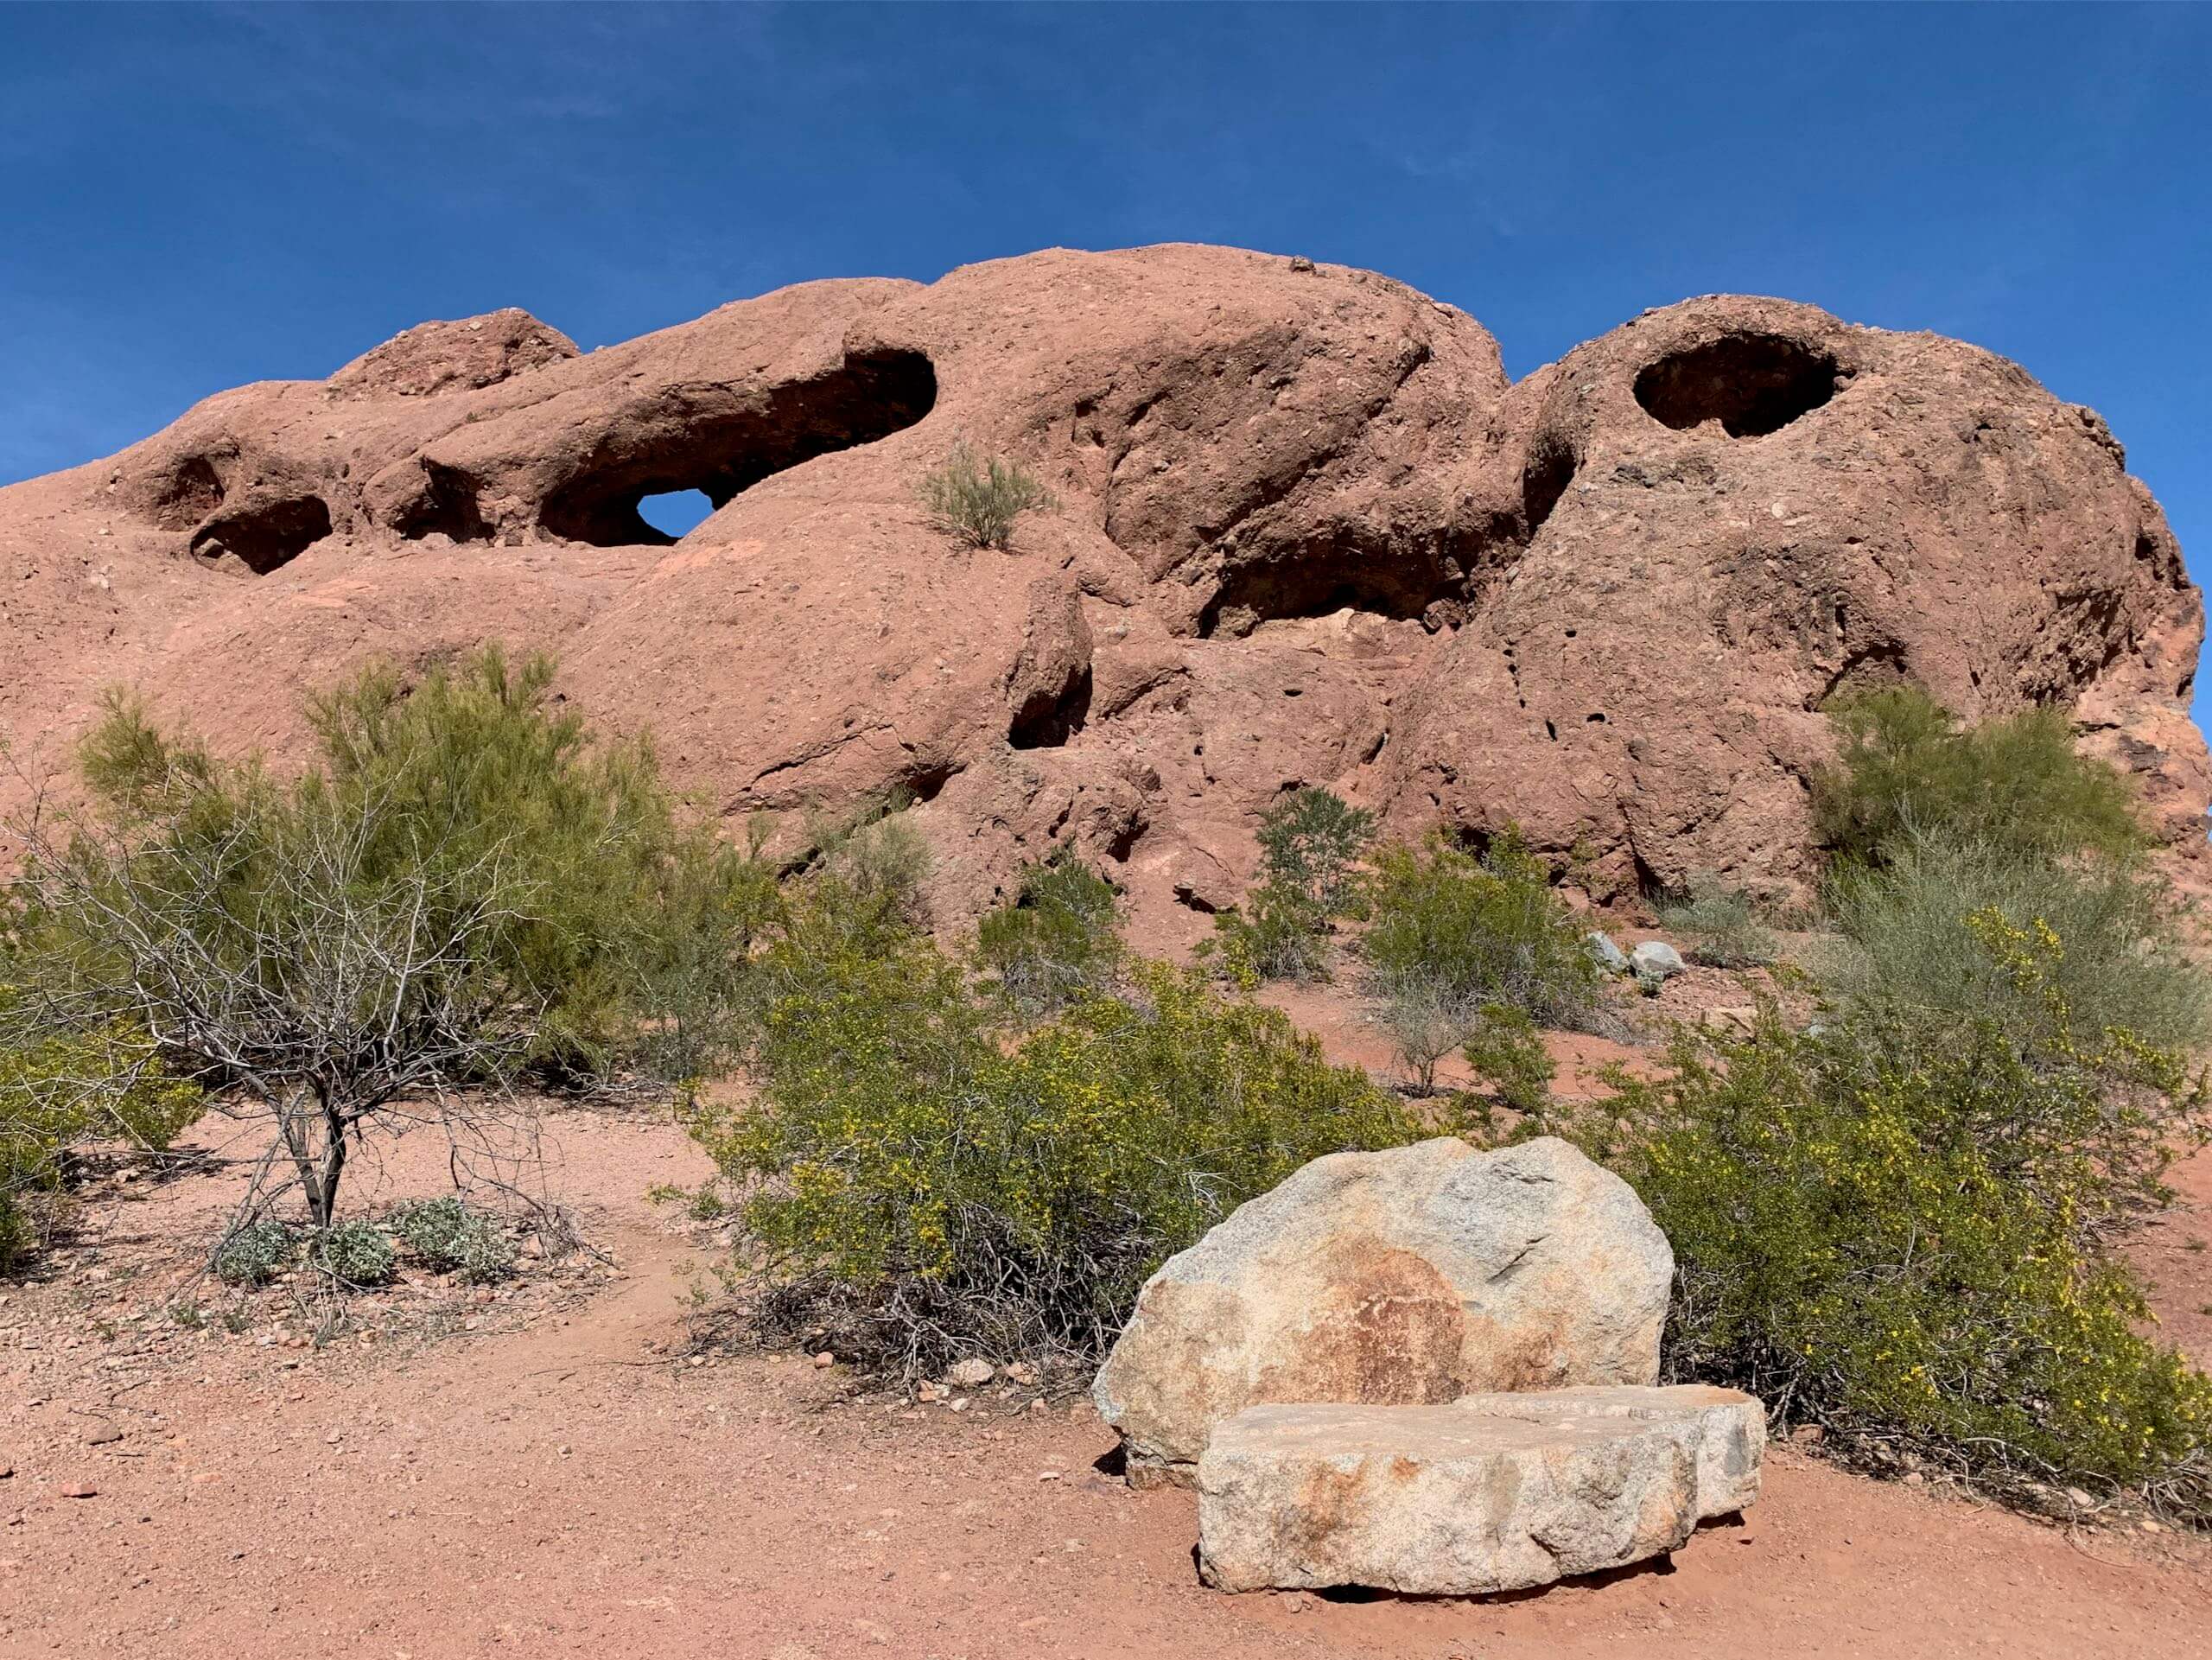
(103,1435)
(824,1359)
(79,1490)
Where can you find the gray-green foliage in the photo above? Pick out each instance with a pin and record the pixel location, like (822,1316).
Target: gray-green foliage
(465,886)
(1905,765)
(1310,841)
(251,1254)
(2125,963)
(450,1237)
(355,1253)
(1507,1053)
(979,498)
(1479,931)
(1056,941)
(1719,925)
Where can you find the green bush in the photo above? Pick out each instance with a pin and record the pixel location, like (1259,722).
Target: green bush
(355,1254)
(2016,782)
(1507,1053)
(930,1190)
(1891,1227)
(2127,961)
(464,886)
(1055,942)
(879,859)
(1481,930)
(451,1237)
(252,1254)
(1722,929)
(59,1092)
(1275,934)
(977,499)
(1310,841)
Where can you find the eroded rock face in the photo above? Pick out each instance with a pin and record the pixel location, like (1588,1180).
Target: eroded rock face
(1308,533)
(1406,1277)
(1496,1495)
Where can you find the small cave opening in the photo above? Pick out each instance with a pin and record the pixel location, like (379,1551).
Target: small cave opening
(1544,477)
(1751,383)
(446,505)
(265,535)
(718,440)
(1049,719)
(676,514)
(1395,583)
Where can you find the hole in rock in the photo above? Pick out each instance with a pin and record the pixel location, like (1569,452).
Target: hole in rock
(1319,582)
(718,440)
(676,514)
(266,535)
(1544,477)
(1751,383)
(1049,719)
(446,506)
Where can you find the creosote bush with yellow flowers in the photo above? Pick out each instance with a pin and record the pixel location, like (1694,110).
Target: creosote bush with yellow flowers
(927,1183)
(1891,1227)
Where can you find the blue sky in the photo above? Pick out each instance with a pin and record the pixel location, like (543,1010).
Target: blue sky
(191,198)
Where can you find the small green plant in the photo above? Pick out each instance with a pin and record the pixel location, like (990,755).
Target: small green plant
(1310,842)
(1481,931)
(252,1254)
(451,1237)
(977,499)
(930,1190)
(59,1090)
(1507,1053)
(355,1254)
(1055,942)
(1718,922)
(2016,783)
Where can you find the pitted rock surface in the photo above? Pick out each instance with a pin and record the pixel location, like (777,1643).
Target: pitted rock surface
(1406,1277)
(1307,534)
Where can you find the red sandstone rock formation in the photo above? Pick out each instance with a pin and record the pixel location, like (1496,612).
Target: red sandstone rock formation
(1306,532)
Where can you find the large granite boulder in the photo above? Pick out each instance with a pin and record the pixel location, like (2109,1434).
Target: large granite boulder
(1406,1277)
(1468,1499)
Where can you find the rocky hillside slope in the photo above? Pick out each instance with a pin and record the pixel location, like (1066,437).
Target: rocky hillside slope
(1307,532)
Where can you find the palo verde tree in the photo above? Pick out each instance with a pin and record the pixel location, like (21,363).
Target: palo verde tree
(464,888)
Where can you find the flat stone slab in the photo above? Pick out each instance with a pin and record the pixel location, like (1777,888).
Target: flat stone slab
(1732,1428)
(1465,1500)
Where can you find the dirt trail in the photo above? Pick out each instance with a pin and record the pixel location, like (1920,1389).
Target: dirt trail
(569,1479)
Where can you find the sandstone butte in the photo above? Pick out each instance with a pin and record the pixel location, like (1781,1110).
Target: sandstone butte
(1307,532)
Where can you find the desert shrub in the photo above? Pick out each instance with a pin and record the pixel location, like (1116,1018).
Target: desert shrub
(355,1254)
(1891,1226)
(1717,921)
(1906,940)
(932,1191)
(1274,934)
(464,886)
(58,1092)
(1310,842)
(251,1254)
(1055,942)
(977,499)
(450,1237)
(1507,1053)
(2015,782)
(1426,1020)
(878,856)
(1483,930)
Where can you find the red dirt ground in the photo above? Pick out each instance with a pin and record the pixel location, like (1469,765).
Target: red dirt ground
(558,1471)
